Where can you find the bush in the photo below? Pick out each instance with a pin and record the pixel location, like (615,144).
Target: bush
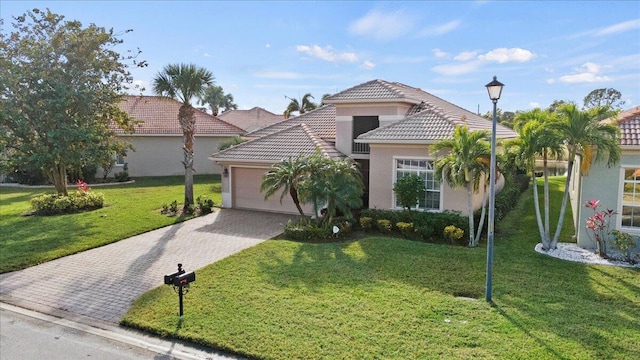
(406,229)
(123,175)
(453,234)
(205,205)
(428,226)
(384,226)
(366,223)
(306,230)
(54,204)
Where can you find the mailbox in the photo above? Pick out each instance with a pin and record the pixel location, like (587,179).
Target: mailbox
(184,279)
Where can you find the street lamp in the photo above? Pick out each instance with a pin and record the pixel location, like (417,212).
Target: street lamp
(495,90)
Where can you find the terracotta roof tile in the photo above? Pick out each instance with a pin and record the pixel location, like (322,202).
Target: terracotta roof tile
(297,139)
(629,123)
(250,120)
(159,116)
(322,120)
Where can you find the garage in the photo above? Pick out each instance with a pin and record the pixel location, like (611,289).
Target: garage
(245,189)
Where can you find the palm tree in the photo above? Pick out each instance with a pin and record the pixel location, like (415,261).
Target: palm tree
(216,99)
(302,106)
(583,132)
(467,159)
(184,82)
(287,175)
(537,138)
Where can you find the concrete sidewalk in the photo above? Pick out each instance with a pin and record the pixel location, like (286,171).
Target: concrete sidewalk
(102,283)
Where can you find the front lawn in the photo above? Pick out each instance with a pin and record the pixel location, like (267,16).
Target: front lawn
(129,210)
(385,298)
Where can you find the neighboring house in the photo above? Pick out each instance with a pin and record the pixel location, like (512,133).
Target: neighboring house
(250,120)
(157,138)
(616,188)
(386,127)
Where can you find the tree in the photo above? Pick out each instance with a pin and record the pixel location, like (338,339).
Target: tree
(467,159)
(537,138)
(286,175)
(302,106)
(409,189)
(59,88)
(604,98)
(336,183)
(217,100)
(184,82)
(582,131)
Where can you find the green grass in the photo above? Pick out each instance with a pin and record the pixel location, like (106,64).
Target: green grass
(389,298)
(129,210)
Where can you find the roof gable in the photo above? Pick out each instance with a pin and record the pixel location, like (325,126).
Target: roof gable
(252,119)
(159,116)
(297,139)
(322,120)
(376,91)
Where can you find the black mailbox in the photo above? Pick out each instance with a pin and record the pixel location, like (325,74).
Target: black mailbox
(184,279)
(168,279)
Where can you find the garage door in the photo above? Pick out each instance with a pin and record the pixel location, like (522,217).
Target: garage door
(245,192)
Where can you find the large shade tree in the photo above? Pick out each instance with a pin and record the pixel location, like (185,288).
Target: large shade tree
(217,100)
(467,158)
(583,132)
(59,86)
(184,82)
(304,105)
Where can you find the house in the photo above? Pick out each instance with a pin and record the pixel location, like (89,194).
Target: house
(157,138)
(386,127)
(250,120)
(616,188)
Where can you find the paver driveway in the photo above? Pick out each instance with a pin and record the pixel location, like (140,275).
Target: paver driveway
(102,283)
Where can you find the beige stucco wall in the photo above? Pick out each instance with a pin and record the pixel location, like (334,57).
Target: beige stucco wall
(162,155)
(382,178)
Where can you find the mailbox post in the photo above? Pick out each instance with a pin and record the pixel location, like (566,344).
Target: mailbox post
(180,281)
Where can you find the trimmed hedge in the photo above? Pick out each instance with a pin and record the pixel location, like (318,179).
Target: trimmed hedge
(54,204)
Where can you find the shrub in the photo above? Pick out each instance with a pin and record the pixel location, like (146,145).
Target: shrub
(408,190)
(625,243)
(123,175)
(384,226)
(306,230)
(174,207)
(366,223)
(453,234)
(54,204)
(205,205)
(406,229)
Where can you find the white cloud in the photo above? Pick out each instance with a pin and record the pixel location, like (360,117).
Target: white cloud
(620,27)
(533,105)
(465,56)
(383,26)
(587,73)
(456,69)
(504,55)
(267,45)
(440,29)
(327,53)
(439,53)
(551,81)
(368,65)
(206,55)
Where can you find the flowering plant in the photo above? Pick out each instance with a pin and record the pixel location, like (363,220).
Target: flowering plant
(83,186)
(598,223)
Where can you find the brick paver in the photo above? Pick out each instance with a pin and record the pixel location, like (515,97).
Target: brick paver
(102,283)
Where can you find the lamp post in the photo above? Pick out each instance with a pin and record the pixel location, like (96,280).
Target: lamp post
(495,89)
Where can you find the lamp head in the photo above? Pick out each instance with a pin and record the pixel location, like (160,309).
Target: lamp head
(495,89)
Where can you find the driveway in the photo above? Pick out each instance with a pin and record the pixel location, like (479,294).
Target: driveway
(102,283)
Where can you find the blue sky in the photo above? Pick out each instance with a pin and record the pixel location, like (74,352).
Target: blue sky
(263,51)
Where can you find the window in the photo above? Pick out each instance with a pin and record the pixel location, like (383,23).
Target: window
(361,125)
(424,169)
(119,160)
(630,215)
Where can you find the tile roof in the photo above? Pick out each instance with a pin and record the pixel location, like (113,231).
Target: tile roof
(322,120)
(432,124)
(250,120)
(629,123)
(297,139)
(377,90)
(159,116)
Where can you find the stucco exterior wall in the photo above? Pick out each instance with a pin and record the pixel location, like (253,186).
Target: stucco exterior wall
(382,178)
(162,155)
(604,184)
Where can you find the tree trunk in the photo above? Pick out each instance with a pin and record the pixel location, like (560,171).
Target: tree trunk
(187,119)
(563,207)
(485,199)
(471,224)
(543,238)
(545,173)
(188,180)
(294,196)
(59,177)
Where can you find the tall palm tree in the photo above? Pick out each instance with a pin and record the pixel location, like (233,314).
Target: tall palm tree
(184,82)
(583,132)
(302,106)
(537,138)
(216,99)
(286,175)
(467,159)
